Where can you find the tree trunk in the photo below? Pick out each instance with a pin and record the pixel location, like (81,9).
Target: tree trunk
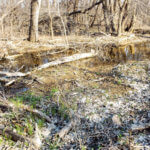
(121,12)
(120,22)
(125,17)
(33,29)
(106,16)
(75,16)
(92,23)
(50,19)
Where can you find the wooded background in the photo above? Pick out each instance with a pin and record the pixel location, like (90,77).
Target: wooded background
(77,17)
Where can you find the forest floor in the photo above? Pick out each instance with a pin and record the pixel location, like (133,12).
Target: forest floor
(99,103)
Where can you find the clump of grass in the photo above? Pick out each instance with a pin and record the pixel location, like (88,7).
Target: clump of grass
(40,123)
(19,129)
(62,111)
(53,92)
(61,108)
(1,140)
(30,128)
(119,82)
(55,144)
(27,98)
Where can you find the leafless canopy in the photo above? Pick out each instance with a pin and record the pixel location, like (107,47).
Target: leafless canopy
(74,17)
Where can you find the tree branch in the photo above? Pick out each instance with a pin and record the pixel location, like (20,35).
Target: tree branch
(87,9)
(12,9)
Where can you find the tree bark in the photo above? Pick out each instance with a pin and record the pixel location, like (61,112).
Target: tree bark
(121,12)
(33,29)
(106,15)
(50,19)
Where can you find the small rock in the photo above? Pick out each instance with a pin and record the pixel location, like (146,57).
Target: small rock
(116,120)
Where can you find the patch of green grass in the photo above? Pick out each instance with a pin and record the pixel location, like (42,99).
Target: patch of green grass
(111,105)
(54,110)
(98,73)
(7,139)
(26,98)
(61,110)
(29,127)
(40,123)
(83,147)
(95,86)
(88,101)
(19,129)
(55,145)
(119,82)
(1,140)
(53,91)
(16,102)
(99,147)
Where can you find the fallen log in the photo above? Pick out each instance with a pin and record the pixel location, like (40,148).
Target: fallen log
(62,60)
(67,59)
(52,63)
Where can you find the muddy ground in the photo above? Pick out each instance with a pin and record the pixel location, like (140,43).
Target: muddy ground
(107,97)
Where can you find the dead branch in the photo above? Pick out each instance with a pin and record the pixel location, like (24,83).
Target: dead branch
(10,82)
(66,129)
(6,131)
(9,105)
(12,9)
(85,10)
(141,127)
(13,74)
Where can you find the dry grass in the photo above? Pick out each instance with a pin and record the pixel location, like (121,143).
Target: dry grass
(79,43)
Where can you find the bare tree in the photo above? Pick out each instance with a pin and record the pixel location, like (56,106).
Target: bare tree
(33,29)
